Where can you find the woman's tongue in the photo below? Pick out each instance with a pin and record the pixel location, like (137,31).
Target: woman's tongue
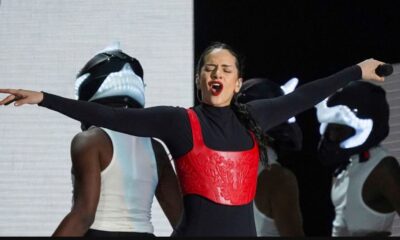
(216,89)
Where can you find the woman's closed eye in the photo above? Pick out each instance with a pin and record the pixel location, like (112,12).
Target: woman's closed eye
(209,68)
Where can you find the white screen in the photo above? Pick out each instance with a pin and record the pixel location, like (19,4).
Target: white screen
(43,44)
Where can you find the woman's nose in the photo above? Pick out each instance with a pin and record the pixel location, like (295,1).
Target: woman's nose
(216,73)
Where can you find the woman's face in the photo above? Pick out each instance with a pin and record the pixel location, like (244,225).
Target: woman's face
(219,78)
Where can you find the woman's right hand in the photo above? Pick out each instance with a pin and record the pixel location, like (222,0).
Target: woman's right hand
(21,97)
(368,68)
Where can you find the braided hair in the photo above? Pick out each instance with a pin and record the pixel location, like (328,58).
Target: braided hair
(240,110)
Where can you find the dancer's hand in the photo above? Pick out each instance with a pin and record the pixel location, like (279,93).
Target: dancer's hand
(21,97)
(368,70)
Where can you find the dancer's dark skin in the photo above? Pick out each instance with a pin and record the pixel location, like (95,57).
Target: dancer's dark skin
(278,198)
(91,153)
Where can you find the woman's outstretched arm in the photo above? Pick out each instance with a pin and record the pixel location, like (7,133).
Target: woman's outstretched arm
(271,112)
(156,122)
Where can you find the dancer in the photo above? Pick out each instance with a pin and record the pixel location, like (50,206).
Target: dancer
(216,156)
(276,204)
(366,187)
(116,175)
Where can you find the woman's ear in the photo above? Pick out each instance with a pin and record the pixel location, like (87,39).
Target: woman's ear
(238,85)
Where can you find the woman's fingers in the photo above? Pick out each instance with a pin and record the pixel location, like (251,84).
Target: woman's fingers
(10,91)
(15,95)
(21,97)
(18,96)
(9,99)
(21,101)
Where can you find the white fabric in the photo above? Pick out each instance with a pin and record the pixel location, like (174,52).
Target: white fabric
(122,83)
(127,186)
(272,157)
(341,114)
(353,216)
(265,225)
(289,87)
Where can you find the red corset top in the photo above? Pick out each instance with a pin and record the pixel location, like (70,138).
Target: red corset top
(228,178)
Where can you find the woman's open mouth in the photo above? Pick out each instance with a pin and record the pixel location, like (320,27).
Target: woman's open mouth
(216,87)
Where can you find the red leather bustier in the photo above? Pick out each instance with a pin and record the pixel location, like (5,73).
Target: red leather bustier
(228,178)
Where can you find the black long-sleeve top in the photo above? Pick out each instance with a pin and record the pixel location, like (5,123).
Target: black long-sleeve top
(221,130)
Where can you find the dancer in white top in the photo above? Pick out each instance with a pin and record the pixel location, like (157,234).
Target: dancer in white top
(116,175)
(366,187)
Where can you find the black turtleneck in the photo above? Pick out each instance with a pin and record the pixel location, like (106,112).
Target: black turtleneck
(221,131)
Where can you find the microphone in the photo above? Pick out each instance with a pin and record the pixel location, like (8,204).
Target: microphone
(384,70)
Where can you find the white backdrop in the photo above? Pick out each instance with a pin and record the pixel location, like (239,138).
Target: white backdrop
(43,44)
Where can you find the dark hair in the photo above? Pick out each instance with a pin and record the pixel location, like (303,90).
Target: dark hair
(240,109)
(218,45)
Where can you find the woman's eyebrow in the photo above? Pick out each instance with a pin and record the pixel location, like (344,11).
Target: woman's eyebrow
(214,65)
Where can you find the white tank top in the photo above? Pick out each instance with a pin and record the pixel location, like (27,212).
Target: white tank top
(353,216)
(127,186)
(265,225)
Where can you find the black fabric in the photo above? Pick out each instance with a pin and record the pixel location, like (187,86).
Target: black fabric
(329,151)
(259,88)
(205,218)
(284,137)
(100,66)
(370,103)
(99,233)
(367,101)
(221,130)
(271,112)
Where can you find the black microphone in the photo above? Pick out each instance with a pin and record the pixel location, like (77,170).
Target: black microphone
(384,70)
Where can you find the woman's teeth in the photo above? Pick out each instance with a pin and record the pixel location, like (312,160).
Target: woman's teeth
(216,88)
